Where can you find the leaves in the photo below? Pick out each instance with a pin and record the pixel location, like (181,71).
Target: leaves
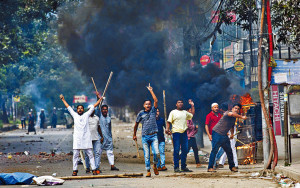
(285,18)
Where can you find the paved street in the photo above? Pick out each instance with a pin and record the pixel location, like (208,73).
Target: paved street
(125,151)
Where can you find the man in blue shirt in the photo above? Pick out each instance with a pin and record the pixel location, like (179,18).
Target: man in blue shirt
(161,141)
(149,132)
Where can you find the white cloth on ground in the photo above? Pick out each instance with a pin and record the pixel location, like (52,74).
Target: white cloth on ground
(82,135)
(110,156)
(76,156)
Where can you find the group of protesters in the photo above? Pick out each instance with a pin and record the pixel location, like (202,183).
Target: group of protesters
(93,135)
(220,128)
(42,123)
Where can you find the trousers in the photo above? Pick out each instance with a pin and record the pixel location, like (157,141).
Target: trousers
(76,156)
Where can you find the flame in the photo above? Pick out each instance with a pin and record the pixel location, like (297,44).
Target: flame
(246,99)
(246,102)
(250,150)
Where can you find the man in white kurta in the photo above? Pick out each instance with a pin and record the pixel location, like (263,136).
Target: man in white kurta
(82,136)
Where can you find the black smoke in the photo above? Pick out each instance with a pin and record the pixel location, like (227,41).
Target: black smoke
(131,38)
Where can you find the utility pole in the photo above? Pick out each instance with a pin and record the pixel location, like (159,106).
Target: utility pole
(263,84)
(251,46)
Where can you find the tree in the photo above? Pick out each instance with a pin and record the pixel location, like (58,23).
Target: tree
(31,56)
(285,18)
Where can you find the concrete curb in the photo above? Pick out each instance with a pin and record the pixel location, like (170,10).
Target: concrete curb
(289,172)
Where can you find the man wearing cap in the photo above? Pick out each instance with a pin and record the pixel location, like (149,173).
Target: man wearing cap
(82,136)
(212,119)
(96,141)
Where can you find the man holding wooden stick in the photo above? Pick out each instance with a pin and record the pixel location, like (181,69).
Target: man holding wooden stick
(97,140)
(82,136)
(220,137)
(161,125)
(149,132)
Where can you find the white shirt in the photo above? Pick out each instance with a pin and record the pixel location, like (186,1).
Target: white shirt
(82,135)
(94,124)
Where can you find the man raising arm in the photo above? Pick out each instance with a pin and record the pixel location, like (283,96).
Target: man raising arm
(82,139)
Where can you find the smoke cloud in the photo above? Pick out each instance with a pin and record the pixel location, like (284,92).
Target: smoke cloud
(137,41)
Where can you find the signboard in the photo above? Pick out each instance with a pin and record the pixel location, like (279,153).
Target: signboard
(286,72)
(276,110)
(239,65)
(204,60)
(281,104)
(80,99)
(294,112)
(17,99)
(228,57)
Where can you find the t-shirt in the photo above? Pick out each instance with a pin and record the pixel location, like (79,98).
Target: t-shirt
(148,120)
(225,124)
(94,124)
(211,120)
(178,119)
(160,125)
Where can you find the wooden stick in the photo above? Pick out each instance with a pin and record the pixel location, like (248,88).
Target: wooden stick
(107,83)
(82,158)
(94,84)
(239,141)
(165,112)
(101,176)
(137,149)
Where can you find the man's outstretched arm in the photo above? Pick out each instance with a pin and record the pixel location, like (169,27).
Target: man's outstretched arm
(233,114)
(63,100)
(99,99)
(153,96)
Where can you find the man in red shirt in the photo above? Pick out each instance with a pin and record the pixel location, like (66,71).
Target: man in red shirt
(212,119)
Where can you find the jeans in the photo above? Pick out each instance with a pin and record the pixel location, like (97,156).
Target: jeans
(96,148)
(217,142)
(147,141)
(180,140)
(219,155)
(23,122)
(222,159)
(161,147)
(192,144)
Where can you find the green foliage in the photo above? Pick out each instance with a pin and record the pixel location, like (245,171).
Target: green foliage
(285,18)
(245,9)
(31,56)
